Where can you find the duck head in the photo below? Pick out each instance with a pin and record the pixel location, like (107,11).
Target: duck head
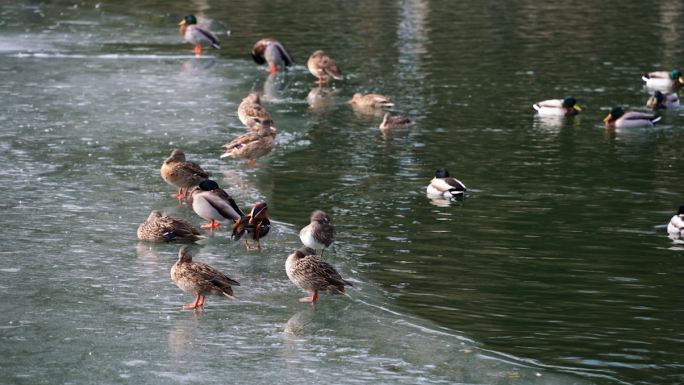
(184,255)
(258,212)
(320,217)
(386,119)
(658,97)
(441,173)
(264,129)
(176,156)
(253,98)
(156,214)
(681,210)
(677,75)
(189,19)
(570,102)
(615,113)
(208,185)
(357,96)
(303,252)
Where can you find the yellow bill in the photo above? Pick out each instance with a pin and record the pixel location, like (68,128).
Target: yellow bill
(609,117)
(182,22)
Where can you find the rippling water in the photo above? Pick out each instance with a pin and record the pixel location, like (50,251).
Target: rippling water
(556,268)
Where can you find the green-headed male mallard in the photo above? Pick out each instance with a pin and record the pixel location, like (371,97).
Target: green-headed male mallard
(567,107)
(200,279)
(197,35)
(310,272)
(272,52)
(664,79)
(619,118)
(180,173)
(399,122)
(663,101)
(319,233)
(323,67)
(161,228)
(444,185)
(213,204)
(371,100)
(252,145)
(251,112)
(255,223)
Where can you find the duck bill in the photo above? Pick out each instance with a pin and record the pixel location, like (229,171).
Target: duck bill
(182,22)
(433,179)
(577,108)
(681,80)
(609,117)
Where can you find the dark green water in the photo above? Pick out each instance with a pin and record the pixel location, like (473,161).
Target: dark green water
(556,268)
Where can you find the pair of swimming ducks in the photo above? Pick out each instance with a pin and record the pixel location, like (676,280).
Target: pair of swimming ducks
(618,117)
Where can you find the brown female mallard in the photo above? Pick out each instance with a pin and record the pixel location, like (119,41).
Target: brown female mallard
(252,145)
(323,67)
(371,100)
(177,172)
(251,111)
(311,273)
(161,228)
(200,279)
(390,122)
(319,233)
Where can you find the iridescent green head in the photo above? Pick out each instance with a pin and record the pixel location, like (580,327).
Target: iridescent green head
(189,19)
(676,74)
(208,185)
(569,102)
(442,173)
(615,113)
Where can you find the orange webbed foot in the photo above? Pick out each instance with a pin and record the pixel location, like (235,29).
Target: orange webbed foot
(251,162)
(272,69)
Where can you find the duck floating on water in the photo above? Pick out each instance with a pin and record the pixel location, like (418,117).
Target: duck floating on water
(676,225)
(272,52)
(323,66)
(200,279)
(664,79)
(567,107)
(180,173)
(255,223)
(214,204)
(161,228)
(319,233)
(197,35)
(312,273)
(619,118)
(252,145)
(371,100)
(444,185)
(663,101)
(398,122)
(251,112)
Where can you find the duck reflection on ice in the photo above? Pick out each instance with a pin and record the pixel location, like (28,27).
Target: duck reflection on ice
(195,65)
(321,98)
(312,320)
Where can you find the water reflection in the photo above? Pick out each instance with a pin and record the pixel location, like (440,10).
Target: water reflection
(441,201)
(194,65)
(320,99)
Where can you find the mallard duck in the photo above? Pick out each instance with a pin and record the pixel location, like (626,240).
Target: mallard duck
(251,111)
(664,79)
(180,173)
(319,233)
(619,118)
(255,223)
(272,52)
(323,67)
(567,107)
(252,145)
(199,36)
(311,273)
(371,100)
(200,279)
(390,122)
(161,228)
(442,184)
(213,204)
(676,225)
(663,101)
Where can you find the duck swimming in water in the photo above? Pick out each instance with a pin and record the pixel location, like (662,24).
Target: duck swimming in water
(619,118)
(663,101)
(567,107)
(444,185)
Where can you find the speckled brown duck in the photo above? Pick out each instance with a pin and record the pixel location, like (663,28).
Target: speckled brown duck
(323,66)
(180,173)
(213,204)
(161,228)
(251,111)
(200,279)
(255,224)
(371,100)
(252,145)
(319,233)
(311,273)
(390,122)
(272,52)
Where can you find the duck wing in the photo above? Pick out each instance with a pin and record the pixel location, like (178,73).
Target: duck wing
(211,274)
(224,204)
(215,41)
(243,140)
(551,103)
(195,169)
(326,271)
(175,226)
(283,54)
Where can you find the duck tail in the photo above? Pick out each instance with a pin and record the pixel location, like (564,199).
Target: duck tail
(645,78)
(656,119)
(536,107)
(215,45)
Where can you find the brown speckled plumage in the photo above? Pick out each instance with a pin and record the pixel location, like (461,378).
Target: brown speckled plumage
(251,111)
(371,100)
(323,67)
(200,279)
(180,173)
(252,145)
(390,122)
(311,273)
(162,228)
